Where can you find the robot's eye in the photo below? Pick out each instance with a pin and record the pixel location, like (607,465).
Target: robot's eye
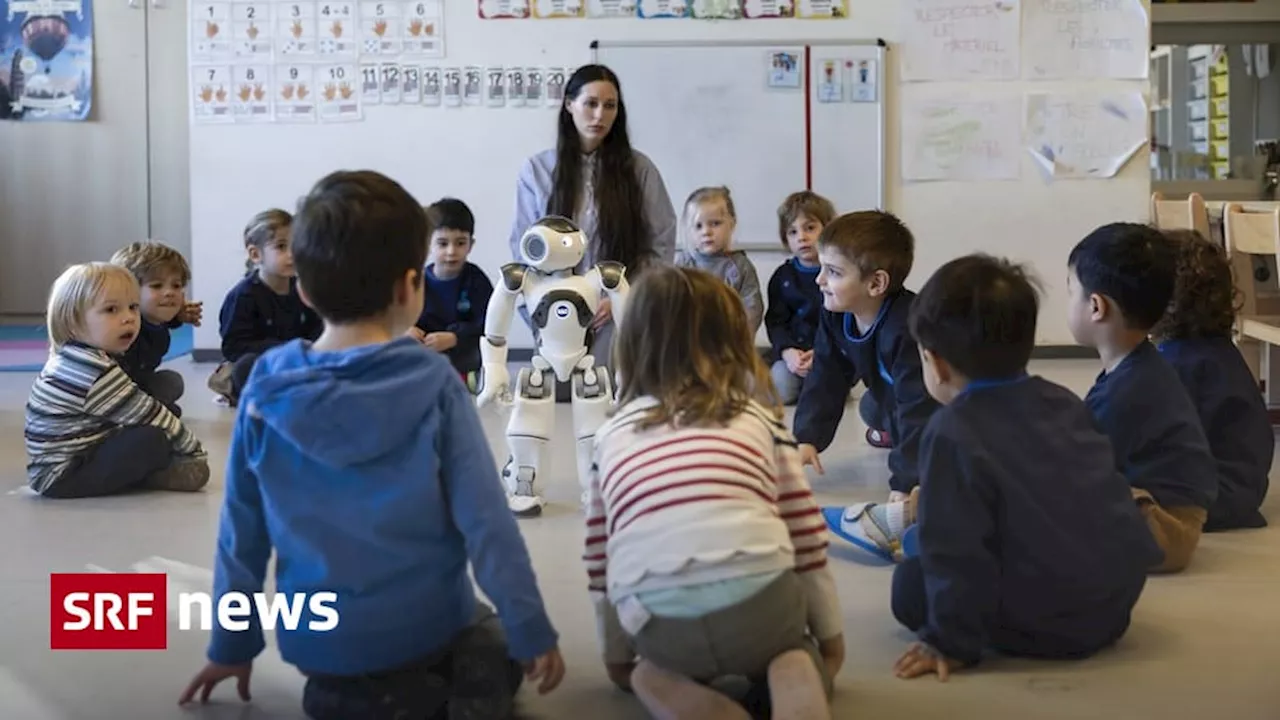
(567,242)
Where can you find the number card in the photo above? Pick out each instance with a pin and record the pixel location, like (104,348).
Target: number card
(390,78)
(471,88)
(380,27)
(339,93)
(370,84)
(211,31)
(533,87)
(250,93)
(423,28)
(295,28)
(295,93)
(495,87)
(451,84)
(211,93)
(336,28)
(515,87)
(250,27)
(410,84)
(555,86)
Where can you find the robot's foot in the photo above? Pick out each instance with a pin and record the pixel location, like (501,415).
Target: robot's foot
(521,498)
(526,506)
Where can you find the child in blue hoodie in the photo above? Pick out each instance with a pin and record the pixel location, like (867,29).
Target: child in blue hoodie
(360,459)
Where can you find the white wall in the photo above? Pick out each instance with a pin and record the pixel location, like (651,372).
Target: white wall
(475,153)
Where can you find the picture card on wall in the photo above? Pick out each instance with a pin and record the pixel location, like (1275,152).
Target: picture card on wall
(211,94)
(411,84)
(952,135)
(716,9)
(211,31)
(495,87)
(452,84)
(544,9)
(605,9)
(251,93)
(472,86)
(336,27)
(533,87)
(757,9)
(515,87)
(555,80)
(783,69)
(251,30)
(503,9)
(389,76)
(1085,134)
(339,93)
(960,39)
(423,28)
(295,28)
(1078,40)
(370,84)
(434,81)
(295,93)
(861,77)
(831,81)
(654,9)
(380,27)
(822,9)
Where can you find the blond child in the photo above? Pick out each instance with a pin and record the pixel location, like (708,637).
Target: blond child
(163,275)
(264,309)
(91,431)
(795,300)
(709,222)
(705,550)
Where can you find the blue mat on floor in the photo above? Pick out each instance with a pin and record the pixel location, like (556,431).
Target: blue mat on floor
(17,353)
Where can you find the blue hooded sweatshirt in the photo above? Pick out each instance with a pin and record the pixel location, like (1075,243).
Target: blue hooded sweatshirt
(368,472)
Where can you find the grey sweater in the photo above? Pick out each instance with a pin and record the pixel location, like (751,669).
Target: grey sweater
(735,268)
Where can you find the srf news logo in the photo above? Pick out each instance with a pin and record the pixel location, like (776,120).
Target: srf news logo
(129,611)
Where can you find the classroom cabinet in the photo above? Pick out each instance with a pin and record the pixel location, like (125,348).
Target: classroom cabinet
(77,191)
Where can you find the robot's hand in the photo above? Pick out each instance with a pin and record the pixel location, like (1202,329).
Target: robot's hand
(495,381)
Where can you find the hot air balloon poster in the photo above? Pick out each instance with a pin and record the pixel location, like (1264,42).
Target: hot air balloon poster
(46,60)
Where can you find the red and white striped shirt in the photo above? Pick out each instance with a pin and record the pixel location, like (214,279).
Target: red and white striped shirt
(675,507)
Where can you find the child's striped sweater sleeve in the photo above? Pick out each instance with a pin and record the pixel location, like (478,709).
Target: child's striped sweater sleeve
(797,507)
(115,397)
(615,645)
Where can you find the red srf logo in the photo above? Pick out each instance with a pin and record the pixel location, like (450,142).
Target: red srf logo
(107,611)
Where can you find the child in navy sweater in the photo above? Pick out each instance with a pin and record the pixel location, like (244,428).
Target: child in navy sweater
(1195,337)
(794,297)
(163,275)
(862,337)
(1028,539)
(1119,282)
(264,309)
(457,296)
(363,464)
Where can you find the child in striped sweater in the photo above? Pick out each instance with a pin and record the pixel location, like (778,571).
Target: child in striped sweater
(705,549)
(90,430)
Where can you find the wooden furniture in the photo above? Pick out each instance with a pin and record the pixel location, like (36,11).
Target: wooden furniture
(1250,234)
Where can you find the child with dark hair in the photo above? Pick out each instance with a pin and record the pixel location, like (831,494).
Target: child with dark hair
(863,337)
(1119,283)
(360,459)
(1195,337)
(1027,540)
(264,309)
(458,291)
(795,300)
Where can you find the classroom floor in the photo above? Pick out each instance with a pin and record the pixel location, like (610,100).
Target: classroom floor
(1205,644)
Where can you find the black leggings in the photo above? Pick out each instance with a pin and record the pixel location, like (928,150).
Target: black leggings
(121,462)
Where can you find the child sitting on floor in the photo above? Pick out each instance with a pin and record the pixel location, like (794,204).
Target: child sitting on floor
(1028,540)
(705,550)
(163,275)
(1195,337)
(709,220)
(90,430)
(1119,282)
(795,300)
(263,310)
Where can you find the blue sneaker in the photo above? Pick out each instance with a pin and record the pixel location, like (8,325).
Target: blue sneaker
(867,526)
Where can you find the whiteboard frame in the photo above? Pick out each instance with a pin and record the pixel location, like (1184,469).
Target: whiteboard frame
(881,78)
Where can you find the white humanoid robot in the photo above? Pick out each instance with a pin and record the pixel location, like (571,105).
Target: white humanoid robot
(562,304)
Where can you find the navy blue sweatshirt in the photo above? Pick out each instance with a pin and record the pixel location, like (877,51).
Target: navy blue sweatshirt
(458,306)
(146,353)
(1030,540)
(1154,429)
(795,302)
(1234,419)
(885,359)
(254,318)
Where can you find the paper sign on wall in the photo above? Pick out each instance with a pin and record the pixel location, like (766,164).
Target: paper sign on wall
(960,39)
(295,93)
(1085,135)
(1074,39)
(960,136)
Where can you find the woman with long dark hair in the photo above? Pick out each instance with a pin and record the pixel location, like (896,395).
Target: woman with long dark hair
(594,177)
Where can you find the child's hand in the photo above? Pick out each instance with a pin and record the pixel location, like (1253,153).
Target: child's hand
(212,674)
(809,456)
(793,357)
(922,659)
(832,651)
(416,333)
(897,496)
(191,313)
(440,341)
(806,363)
(604,312)
(620,674)
(549,668)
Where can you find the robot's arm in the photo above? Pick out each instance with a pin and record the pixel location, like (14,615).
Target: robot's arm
(613,280)
(497,318)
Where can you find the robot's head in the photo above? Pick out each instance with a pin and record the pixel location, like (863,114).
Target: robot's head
(553,243)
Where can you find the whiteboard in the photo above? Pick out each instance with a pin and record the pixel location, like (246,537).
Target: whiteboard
(707,114)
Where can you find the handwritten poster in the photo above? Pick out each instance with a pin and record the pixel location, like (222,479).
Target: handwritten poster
(1085,135)
(960,40)
(1086,39)
(960,136)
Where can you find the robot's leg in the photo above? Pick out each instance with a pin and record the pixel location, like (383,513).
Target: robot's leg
(533,418)
(592,397)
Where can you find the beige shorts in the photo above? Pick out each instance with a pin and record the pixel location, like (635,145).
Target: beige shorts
(740,640)
(1177,530)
